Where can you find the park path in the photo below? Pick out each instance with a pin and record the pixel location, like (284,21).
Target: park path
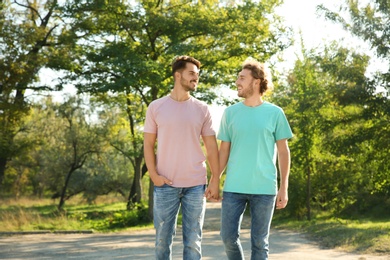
(284,245)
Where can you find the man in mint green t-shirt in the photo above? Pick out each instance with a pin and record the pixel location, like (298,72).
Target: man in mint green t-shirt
(253,134)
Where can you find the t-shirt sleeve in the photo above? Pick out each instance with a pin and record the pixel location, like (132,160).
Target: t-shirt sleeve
(223,134)
(283,130)
(150,123)
(208,129)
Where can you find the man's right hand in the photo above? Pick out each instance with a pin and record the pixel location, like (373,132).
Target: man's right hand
(159,180)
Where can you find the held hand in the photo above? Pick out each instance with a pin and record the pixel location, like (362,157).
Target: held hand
(212,191)
(281,199)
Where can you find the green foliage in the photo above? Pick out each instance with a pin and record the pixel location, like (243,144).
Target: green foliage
(338,158)
(370,22)
(99,217)
(354,235)
(62,141)
(30,34)
(130,47)
(112,220)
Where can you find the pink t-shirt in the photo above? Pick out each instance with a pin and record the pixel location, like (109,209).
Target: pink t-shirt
(178,126)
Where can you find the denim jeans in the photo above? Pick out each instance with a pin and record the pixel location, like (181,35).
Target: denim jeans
(167,202)
(261,210)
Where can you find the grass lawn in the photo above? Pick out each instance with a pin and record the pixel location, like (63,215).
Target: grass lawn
(352,235)
(107,214)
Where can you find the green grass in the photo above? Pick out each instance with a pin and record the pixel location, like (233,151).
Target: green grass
(104,216)
(351,235)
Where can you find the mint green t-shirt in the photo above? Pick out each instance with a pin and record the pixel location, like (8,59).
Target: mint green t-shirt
(252,133)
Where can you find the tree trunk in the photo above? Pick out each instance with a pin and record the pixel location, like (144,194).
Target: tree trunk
(136,188)
(308,193)
(63,193)
(151,201)
(3,163)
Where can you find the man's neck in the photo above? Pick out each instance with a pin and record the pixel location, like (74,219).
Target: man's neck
(253,101)
(179,95)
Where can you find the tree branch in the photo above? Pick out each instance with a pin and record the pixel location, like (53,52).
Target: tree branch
(29,7)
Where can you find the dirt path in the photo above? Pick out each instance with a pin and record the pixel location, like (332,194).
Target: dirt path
(140,245)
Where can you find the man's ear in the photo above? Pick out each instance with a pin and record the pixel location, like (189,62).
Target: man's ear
(258,81)
(177,75)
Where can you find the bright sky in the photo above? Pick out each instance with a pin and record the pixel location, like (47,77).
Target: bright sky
(316,31)
(302,15)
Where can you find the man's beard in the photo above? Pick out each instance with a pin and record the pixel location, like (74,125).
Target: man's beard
(188,86)
(246,92)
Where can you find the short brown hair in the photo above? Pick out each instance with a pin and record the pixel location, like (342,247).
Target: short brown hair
(180,63)
(258,71)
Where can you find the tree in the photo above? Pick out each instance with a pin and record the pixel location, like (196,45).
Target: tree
(302,99)
(128,48)
(364,128)
(30,34)
(370,22)
(65,139)
(79,141)
(41,169)
(126,142)
(329,101)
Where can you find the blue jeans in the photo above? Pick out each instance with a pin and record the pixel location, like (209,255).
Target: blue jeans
(261,210)
(167,202)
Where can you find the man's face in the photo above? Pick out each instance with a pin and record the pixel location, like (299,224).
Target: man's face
(189,77)
(245,84)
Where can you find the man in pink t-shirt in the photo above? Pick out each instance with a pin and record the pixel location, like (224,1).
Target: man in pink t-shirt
(178,170)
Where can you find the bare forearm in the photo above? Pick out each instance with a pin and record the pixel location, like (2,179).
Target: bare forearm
(212,155)
(150,160)
(213,161)
(284,167)
(149,154)
(224,152)
(212,191)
